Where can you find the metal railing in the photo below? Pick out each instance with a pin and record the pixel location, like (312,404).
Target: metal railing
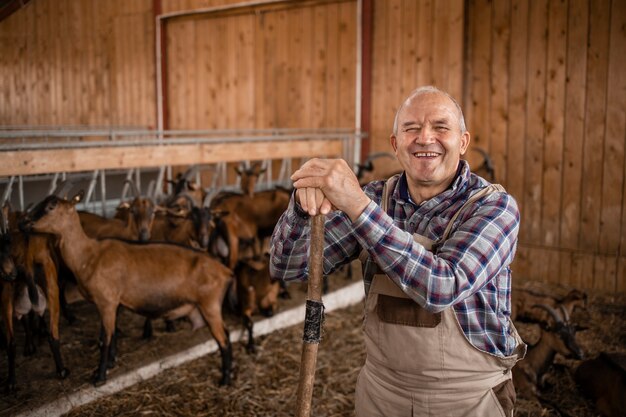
(22,190)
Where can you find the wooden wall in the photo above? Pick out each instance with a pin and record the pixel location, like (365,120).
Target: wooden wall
(545,93)
(542,83)
(415,43)
(86,63)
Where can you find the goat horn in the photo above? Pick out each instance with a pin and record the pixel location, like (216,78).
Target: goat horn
(133,186)
(62,189)
(190,172)
(564,312)
(151,188)
(555,314)
(209,197)
(4,225)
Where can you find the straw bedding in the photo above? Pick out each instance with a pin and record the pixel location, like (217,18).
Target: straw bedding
(265,384)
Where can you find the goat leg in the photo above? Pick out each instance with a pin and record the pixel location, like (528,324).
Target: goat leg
(11,383)
(247,323)
(62,371)
(112,350)
(28,323)
(226,353)
(108,314)
(147,329)
(100,376)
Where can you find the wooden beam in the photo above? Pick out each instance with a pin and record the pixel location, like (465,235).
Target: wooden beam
(31,162)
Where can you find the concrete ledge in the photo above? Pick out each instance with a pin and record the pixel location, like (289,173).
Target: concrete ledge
(341,298)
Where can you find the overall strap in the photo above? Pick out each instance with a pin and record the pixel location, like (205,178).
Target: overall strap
(491,188)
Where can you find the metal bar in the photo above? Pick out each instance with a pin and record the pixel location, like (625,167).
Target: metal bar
(103,192)
(113,133)
(7,190)
(92,185)
(167,142)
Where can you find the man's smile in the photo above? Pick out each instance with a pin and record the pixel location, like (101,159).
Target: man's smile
(427,155)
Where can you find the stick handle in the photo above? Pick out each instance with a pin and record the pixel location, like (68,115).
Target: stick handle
(313,319)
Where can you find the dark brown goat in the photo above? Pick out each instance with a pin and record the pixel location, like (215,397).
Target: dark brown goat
(35,258)
(261,211)
(256,293)
(156,280)
(560,337)
(603,379)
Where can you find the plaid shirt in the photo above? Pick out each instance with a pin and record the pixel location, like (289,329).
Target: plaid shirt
(469,271)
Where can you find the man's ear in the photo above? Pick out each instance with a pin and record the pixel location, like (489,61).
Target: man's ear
(392,140)
(465,141)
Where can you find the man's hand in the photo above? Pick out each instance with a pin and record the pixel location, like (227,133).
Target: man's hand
(324,184)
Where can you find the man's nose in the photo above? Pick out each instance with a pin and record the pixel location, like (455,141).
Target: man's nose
(426,136)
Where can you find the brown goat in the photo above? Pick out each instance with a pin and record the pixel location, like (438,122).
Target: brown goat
(256,293)
(138,214)
(603,379)
(559,338)
(249,177)
(155,280)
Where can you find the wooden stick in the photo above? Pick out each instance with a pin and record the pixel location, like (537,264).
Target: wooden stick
(314,318)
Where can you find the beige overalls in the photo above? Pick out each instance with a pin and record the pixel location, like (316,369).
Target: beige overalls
(421,364)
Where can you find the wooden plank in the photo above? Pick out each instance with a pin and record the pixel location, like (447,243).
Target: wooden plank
(500,88)
(575,91)
(306,69)
(259,72)
(555,108)
(517,103)
(410,42)
(602,269)
(332,86)
(480,106)
(89,159)
(455,48)
(565,268)
(318,66)
(613,184)
(278,56)
(620,281)
(535,120)
(425,44)
(347,64)
(205,68)
(294,26)
(381,121)
(595,114)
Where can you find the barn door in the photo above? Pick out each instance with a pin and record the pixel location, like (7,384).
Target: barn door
(287,67)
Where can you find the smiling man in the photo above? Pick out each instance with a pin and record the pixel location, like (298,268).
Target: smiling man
(436,243)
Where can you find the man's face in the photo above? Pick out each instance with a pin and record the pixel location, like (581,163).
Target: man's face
(429,142)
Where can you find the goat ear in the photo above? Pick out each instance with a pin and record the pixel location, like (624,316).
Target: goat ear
(77,197)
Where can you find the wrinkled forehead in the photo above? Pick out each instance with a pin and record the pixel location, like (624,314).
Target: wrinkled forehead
(429,107)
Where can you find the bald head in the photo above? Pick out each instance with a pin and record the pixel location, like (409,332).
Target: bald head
(429,89)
